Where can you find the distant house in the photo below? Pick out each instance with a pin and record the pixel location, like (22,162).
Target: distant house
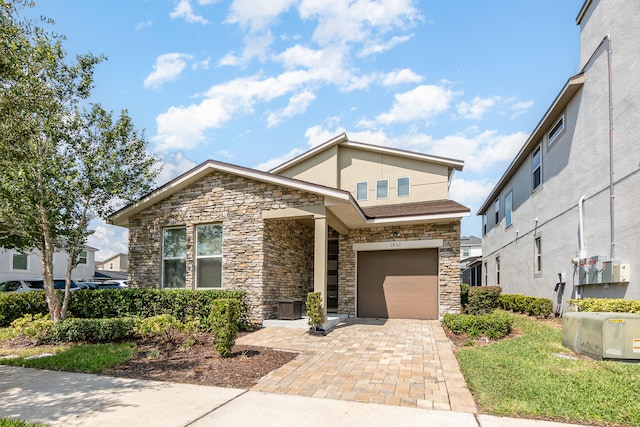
(118,262)
(562,222)
(471,260)
(14,265)
(371,228)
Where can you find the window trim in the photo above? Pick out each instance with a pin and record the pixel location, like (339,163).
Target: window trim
(162,257)
(366,192)
(538,150)
(197,257)
(486,273)
(508,209)
(498,270)
(85,257)
(537,255)
(408,178)
(14,253)
(496,206)
(387,188)
(555,131)
(484,224)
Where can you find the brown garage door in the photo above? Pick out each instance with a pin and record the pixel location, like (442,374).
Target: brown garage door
(401,284)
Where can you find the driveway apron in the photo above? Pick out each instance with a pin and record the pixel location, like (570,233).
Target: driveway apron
(388,361)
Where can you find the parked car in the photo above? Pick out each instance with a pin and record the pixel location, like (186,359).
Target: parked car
(122,283)
(88,285)
(110,284)
(15,286)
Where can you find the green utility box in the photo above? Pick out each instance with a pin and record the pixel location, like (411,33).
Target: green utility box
(601,336)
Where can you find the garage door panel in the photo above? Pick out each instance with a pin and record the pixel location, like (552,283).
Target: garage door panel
(398,284)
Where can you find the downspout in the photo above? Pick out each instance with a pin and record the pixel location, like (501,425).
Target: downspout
(583,245)
(611,171)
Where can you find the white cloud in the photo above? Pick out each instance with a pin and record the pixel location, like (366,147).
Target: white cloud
(478,107)
(254,47)
(398,77)
(173,165)
(378,46)
(356,21)
(167,68)
(520,108)
(297,105)
(184,10)
(144,25)
(272,163)
(201,65)
(108,239)
(421,103)
(470,193)
(257,15)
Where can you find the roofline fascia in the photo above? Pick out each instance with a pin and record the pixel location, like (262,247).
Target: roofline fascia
(578,81)
(583,11)
(388,220)
(185,178)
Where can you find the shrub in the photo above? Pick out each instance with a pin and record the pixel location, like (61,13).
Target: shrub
(532,306)
(483,299)
(37,326)
(464,296)
(224,324)
(492,325)
(165,325)
(612,305)
(314,310)
(111,303)
(93,330)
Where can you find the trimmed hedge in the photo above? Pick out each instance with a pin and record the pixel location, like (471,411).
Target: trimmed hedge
(483,299)
(224,324)
(110,303)
(532,306)
(611,305)
(93,330)
(493,325)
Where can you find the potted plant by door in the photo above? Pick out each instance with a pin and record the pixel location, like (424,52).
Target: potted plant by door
(315,313)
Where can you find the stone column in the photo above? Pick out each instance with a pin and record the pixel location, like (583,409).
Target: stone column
(320,255)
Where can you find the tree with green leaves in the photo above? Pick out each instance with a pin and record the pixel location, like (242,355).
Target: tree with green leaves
(63,160)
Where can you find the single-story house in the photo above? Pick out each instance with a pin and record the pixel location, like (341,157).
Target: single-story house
(370,227)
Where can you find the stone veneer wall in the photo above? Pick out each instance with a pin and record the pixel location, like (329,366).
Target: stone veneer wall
(234,201)
(288,263)
(449,265)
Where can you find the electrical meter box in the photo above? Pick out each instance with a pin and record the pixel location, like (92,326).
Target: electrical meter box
(614,336)
(614,272)
(590,270)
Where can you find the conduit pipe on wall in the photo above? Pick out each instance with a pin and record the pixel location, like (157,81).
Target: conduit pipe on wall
(583,245)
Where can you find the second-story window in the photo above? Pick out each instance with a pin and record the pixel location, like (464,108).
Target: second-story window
(508,207)
(536,168)
(556,130)
(19,262)
(362,190)
(382,189)
(402,189)
(497,210)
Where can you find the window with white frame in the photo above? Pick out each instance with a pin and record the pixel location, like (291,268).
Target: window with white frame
(362,190)
(465,251)
(486,274)
(484,224)
(497,271)
(382,189)
(174,257)
(536,168)
(111,266)
(209,256)
(508,207)
(82,258)
(497,210)
(19,262)
(537,250)
(555,131)
(402,187)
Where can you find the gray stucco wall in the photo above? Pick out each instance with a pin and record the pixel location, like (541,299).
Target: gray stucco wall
(577,165)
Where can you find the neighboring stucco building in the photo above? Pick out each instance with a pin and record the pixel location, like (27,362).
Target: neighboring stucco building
(566,209)
(15,266)
(370,227)
(471,260)
(118,262)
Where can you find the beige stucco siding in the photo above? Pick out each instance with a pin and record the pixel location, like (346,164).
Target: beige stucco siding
(320,169)
(428,181)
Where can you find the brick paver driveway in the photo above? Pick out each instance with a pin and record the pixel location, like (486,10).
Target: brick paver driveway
(394,362)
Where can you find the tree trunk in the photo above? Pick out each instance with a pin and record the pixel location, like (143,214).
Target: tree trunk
(53,300)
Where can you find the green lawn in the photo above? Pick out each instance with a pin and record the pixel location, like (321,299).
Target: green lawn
(7,422)
(521,377)
(89,358)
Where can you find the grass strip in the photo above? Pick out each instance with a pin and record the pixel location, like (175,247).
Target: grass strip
(524,377)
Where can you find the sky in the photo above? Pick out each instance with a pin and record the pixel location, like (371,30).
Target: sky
(257,82)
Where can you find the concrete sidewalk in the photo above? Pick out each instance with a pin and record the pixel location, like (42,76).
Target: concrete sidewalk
(70,399)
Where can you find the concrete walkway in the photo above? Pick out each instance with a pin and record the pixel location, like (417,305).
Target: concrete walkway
(70,399)
(393,362)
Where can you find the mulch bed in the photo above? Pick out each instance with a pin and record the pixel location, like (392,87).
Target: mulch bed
(173,360)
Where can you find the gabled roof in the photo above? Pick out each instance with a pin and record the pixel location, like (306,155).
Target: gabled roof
(470,240)
(440,208)
(121,217)
(343,140)
(573,85)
